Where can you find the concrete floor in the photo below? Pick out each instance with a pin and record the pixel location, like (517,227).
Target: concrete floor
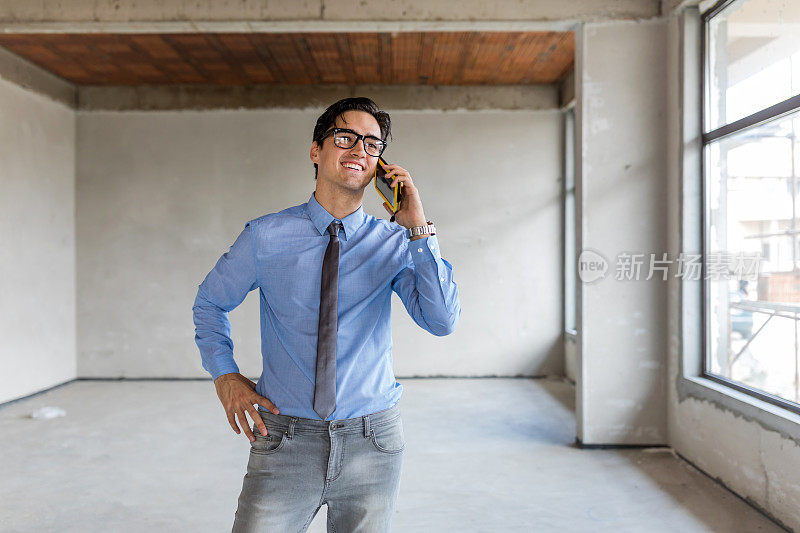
(482,455)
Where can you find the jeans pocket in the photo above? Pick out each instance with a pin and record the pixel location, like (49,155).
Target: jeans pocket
(267,445)
(388,437)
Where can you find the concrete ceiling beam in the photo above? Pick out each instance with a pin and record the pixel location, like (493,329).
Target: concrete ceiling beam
(394,97)
(81,16)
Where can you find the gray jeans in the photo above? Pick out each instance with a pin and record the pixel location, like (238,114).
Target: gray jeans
(352,465)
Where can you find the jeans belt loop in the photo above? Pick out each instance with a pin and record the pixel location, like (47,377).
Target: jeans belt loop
(366,426)
(291,427)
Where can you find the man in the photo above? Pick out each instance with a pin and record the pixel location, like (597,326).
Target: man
(327,427)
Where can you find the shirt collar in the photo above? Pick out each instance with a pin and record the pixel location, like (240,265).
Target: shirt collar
(322,219)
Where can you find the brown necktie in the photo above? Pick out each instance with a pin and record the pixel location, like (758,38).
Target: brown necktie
(325,383)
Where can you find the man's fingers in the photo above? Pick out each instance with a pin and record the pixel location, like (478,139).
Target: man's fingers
(232,421)
(401,179)
(260,400)
(245,425)
(257,419)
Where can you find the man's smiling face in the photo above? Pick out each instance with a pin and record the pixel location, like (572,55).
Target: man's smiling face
(349,168)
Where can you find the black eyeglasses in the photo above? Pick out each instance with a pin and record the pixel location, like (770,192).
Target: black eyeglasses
(344,138)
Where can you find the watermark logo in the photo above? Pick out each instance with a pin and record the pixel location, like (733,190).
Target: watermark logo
(634,266)
(591,266)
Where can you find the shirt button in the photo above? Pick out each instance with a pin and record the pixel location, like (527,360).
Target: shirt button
(441,279)
(419,249)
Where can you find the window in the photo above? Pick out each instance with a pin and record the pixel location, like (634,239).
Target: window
(751,212)
(570,258)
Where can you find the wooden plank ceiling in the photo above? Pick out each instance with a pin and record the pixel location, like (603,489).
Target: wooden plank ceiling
(440,58)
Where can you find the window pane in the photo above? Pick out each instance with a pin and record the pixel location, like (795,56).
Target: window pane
(570,258)
(753,58)
(752,210)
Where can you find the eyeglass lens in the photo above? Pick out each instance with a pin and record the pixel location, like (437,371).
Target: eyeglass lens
(346,139)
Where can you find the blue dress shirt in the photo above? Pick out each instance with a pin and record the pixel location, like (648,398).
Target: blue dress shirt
(281,255)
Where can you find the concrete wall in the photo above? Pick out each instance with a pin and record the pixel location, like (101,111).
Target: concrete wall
(161,195)
(37,242)
(620,180)
(730,443)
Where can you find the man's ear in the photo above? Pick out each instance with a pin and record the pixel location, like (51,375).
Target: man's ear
(314,152)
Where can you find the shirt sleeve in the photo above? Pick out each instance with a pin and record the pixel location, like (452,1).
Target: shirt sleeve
(222,290)
(426,287)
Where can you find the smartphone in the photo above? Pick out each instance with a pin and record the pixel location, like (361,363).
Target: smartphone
(392,195)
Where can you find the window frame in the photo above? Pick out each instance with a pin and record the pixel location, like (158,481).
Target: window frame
(762,116)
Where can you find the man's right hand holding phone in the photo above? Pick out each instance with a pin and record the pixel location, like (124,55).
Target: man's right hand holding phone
(238,394)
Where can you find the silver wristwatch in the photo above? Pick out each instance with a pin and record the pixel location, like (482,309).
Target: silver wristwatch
(430,229)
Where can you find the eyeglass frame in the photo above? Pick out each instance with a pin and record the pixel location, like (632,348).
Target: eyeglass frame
(359,137)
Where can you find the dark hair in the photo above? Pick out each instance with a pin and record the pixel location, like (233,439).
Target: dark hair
(327,120)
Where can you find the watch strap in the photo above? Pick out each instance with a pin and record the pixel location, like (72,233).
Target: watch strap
(428,229)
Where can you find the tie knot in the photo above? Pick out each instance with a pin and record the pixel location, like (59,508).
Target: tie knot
(333,229)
